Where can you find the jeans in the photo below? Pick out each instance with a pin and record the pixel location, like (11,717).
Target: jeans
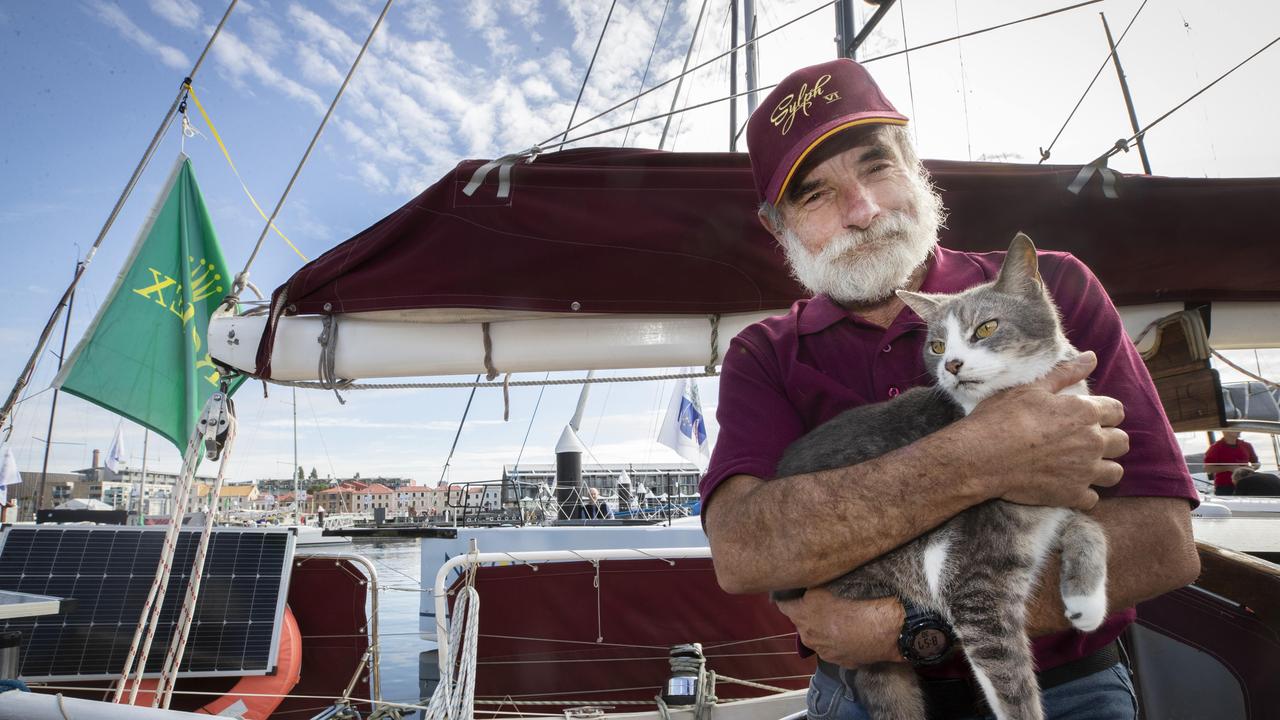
(1105,695)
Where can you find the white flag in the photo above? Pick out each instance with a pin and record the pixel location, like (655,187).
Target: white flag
(115,456)
(684,429)
(9,474)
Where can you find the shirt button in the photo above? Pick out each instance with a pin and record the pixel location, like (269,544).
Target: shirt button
(886,348)
(893,391)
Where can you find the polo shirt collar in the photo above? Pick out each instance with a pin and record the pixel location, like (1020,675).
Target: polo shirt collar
(949,272)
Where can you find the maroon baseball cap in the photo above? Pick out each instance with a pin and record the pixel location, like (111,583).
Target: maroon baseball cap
(807,107)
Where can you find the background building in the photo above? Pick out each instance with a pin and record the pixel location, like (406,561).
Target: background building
(676,480)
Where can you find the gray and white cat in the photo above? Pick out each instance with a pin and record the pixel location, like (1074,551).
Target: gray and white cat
(979,568)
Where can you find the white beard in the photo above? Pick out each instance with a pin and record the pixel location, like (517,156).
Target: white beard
(866,266)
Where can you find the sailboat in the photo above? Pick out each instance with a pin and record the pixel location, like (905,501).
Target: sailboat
(716,272)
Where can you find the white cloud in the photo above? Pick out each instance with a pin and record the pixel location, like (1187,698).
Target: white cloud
(315,67)
(537,88)
(266,36)
(373,177)
(242,62)
(182,13)
(111,14)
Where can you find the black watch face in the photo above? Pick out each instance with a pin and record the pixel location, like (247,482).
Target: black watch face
(929,643)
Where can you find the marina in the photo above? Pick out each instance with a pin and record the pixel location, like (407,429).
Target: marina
(455,253)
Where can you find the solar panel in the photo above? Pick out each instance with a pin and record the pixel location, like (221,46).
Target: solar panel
(108,571)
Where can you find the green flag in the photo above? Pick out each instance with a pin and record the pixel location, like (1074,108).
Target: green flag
(144,356)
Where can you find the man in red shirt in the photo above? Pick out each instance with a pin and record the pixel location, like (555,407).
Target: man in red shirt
(855,213)
(1224,456)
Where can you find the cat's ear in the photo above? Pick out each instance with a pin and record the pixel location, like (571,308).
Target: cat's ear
(926,306)
(1019,271)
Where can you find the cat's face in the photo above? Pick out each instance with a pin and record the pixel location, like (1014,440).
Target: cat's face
(993,336)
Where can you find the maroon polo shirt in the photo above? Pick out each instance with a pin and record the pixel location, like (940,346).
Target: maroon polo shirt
(788,374)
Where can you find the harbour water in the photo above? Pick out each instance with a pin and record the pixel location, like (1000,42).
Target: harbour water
(397,563)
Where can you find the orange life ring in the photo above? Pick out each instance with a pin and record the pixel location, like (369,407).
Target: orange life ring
(255,697)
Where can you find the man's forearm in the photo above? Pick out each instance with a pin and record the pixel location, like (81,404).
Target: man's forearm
(807,529)
(1150,552)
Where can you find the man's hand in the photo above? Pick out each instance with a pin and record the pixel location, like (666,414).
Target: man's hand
(848,633)
(1053,448)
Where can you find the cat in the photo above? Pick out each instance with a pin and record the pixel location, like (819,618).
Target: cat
(978,569)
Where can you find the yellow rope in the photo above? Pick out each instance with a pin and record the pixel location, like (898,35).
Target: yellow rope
(222,146)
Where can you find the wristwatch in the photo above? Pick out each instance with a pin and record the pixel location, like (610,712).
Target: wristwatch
(926,638)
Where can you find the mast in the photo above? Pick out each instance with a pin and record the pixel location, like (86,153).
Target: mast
(142,484)
(844,29)
(749,17)
(1128,99)
(576,421)
(733,76)
(53,407)
(297,469)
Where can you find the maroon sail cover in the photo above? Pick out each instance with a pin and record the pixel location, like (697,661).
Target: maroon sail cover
(606,230)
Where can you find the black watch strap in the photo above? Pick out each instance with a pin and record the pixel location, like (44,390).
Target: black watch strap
(926,638)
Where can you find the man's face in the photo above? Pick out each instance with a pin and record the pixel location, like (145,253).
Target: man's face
(859,223)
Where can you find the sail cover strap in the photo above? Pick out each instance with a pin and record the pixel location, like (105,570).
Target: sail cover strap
(1107,174)
(504,165)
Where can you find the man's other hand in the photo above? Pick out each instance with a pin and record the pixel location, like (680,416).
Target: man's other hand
(1051,449)
(848,633)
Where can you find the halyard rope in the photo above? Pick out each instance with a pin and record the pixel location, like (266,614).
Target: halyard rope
(454,696)
(186,616)
(149,618)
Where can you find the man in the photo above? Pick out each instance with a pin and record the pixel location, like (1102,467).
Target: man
(1224,456)
(854,211)
(1249,481)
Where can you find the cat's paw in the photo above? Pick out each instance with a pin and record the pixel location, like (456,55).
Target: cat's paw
(1086,612)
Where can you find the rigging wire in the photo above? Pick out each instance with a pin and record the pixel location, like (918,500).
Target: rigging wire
(551,146)
(1044,152)
(1195,67)
(445,470)
(243,276)
(590,65)
(536,405)
(964,84)
(545,143)
(28,370)
(1124,145)
(697,53)
(911,85)
(608,390)
(675,97)
(333,473)
(645,76)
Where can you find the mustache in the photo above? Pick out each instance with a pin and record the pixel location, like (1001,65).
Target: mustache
(890,226)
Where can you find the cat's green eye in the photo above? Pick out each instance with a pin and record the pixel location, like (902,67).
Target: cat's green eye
(985,329)
(938,347)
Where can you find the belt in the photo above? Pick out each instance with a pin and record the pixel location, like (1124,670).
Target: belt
(961,697)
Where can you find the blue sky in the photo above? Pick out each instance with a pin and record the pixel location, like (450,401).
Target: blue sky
(85,83)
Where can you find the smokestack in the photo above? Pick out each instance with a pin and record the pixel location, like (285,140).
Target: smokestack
(625,498)
(97,455)
(569,473)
